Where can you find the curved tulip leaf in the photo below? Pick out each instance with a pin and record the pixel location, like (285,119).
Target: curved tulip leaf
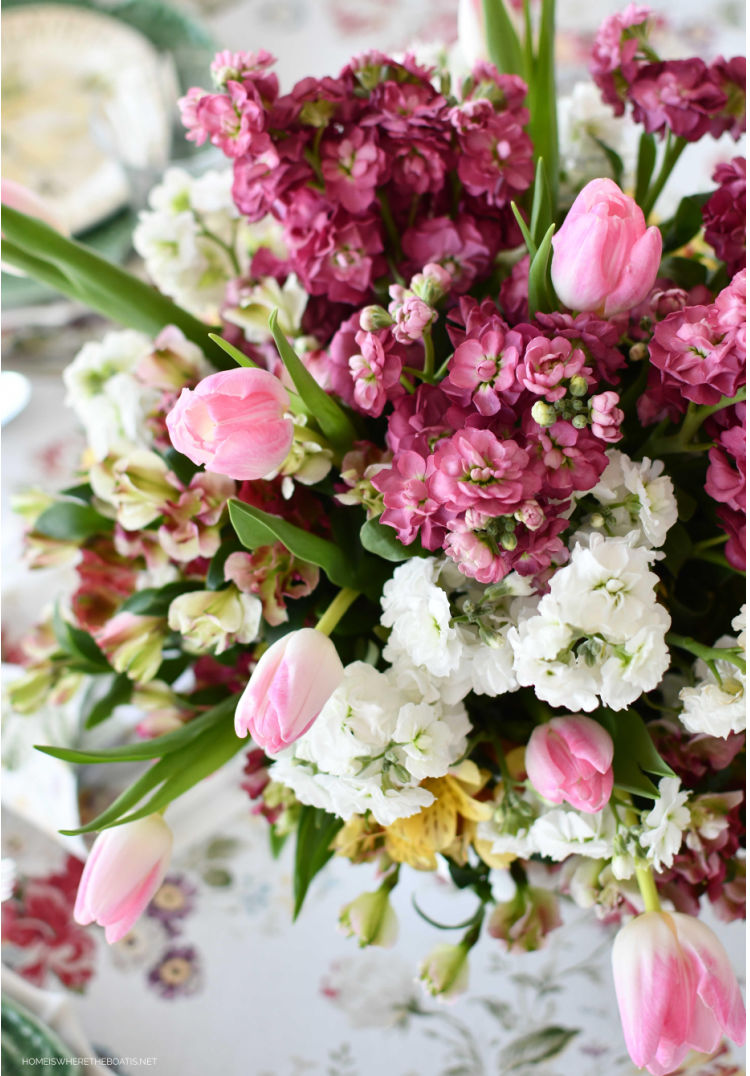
(541,293)
(502,40)
(315,834)
(329,415)
(72,521)
(383,541)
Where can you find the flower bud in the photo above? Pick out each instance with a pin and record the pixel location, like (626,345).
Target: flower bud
(570,759)
(578,386)
(213,620)
(543,413)
(445,972)
(373,318)
(371,919)
(234,422)
(125,868)
(604,258)
(133,644)
(675,989)
(289,687)
(523,923)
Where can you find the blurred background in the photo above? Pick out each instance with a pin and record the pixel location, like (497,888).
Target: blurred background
(214,979)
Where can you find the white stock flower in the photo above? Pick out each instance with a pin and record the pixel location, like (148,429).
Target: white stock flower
(108,399)
(665,824)
(585,120)
(371,744)
(635,495)
(419,614)
(562,832)
(716,704)
(599,633)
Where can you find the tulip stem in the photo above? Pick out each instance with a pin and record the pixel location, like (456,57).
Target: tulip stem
(336,610)
(672,151)
(647,886)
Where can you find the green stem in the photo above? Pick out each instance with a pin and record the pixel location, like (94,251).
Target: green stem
(390,226)
(391,879)
(647,886)
(657,445)
(336,610)
(429,356)
(672,151)
(707,653)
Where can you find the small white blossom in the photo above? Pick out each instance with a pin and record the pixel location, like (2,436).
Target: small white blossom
(635,495)
(419,613)
(665,824)
(107,397)
(562,832)
(716,704)
(254,305)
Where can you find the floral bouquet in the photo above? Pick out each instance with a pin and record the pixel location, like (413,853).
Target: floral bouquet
(425,470)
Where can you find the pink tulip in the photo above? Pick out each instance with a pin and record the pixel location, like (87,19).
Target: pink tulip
(125,868)
(234,422)
(604,257)
(570,758)
(676,990)
(289,687)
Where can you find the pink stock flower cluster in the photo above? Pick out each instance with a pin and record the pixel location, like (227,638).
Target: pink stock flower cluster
(485,463)
(356,164)
(724,214)
(688,98)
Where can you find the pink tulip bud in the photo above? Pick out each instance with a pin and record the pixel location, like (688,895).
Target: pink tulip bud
(289,687)
(604,257)
(125,868)
(570,758)
(676,990)
(234,422)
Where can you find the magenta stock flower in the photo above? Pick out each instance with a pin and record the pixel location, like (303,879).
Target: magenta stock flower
(352,167)
(604,259)
(724,214)
(725,477)
(125,868)
(676,95)
(235,422)
(475,469)
(289,687)
(482,368)
(676,990)
(548,363)
(570,759)
(702,348)
(614,55)
(606,416)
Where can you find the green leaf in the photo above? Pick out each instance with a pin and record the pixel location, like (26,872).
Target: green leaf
(329,415)
(79,273)
(541,206)
(170,777)
(685,224)
(72,521)
(543,100)
(119,692)
(215,577)
(183,467)
(82,492)
(276,841)
(79,645)
(383,541)
(239,357)
(315,832)
(614,159)
(635,754)
(159,747)
(155,601)
(503,45)
(536,1047)
(644,167)
(527,237)
(255,527)
(685,272)
(541,293)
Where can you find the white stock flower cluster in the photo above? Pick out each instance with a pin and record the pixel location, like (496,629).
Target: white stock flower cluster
(599,632)
(109,401)
(463,653)
(554,833)
(716,704)
(634,497)
(194,241)
(586,122)
(375,739)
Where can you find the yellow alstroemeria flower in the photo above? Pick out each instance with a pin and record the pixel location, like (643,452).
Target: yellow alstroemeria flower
(448,825)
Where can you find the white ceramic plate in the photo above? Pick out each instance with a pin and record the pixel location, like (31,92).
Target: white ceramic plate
(83,104)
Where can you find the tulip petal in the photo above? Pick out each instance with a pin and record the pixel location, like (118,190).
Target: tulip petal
(717,985)
(638,275)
